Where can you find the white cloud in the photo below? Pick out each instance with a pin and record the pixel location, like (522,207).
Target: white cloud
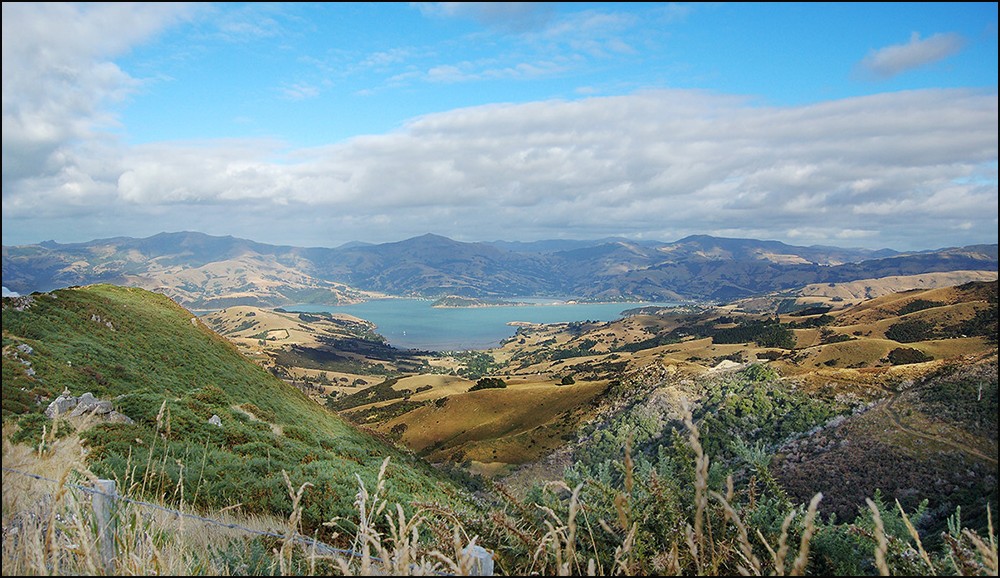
(251,21)
(300,91)
(387,57)
(906,169)
(468,71)
(899,58)
(58,81)
(904,165)
(545,47)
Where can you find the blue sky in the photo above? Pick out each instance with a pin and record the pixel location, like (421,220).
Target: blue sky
(851,124)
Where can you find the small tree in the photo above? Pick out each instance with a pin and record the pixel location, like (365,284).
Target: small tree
(568,380)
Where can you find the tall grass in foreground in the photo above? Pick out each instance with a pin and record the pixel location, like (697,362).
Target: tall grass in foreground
(50,529)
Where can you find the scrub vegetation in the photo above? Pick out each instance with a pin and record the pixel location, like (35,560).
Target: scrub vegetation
(667,471)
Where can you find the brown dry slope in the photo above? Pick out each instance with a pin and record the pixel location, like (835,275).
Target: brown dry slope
(495,427)
(488,430)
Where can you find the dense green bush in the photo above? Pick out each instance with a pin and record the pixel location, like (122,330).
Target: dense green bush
(984,323)
(756,405)
(910,331)
(767,333)
(37,430)
(918,305)
(488,383)
(475,364)
(907,355)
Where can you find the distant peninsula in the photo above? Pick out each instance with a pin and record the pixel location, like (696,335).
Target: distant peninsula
(458,301)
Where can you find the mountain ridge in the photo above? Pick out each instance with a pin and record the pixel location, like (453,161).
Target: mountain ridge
(202,271)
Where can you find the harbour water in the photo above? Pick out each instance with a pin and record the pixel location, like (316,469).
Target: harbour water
(416,324)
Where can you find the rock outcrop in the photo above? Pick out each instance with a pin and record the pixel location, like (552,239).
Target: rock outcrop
(85,405)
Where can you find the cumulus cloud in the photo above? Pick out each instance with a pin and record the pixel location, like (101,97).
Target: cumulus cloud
(905,170)
(58,80)
(889,168)
(899,58)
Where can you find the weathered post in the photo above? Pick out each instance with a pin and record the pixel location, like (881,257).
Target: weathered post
(104,505)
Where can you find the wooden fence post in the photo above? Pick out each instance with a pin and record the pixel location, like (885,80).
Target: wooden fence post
(104,506)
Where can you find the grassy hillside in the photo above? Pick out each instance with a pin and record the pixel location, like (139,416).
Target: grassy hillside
(486,430)
(938,323)
(164,369)
(680,464)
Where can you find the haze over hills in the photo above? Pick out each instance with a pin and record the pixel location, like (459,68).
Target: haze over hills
(207,272)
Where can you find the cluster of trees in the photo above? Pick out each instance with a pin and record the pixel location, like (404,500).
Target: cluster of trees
(982,324)
(765,333)
(907,355)
(488,383)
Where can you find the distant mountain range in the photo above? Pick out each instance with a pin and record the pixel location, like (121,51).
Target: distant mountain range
(200,271)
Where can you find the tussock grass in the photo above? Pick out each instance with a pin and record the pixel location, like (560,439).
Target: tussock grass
(679,514)
(50,529)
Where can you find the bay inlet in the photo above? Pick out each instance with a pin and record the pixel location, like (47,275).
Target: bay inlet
(416,324)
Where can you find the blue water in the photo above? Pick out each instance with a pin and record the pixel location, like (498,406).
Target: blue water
(415,324)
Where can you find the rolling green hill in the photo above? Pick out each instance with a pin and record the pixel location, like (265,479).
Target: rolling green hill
(672,467)
(169,373)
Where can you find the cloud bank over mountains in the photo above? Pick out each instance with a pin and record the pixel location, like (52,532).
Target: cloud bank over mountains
(906,170)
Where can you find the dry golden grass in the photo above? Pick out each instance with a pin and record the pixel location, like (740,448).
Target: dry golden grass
(884,309)
(261,334)
(863,289)
(441,386)
(259,280)
(281,328)
(496,425)
(50,527)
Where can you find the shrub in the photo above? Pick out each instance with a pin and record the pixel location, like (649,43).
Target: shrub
(910,331)
(767,333)
(35,429)
(918,305)
(397,431)
(906,355)
(488,383)
(984,323)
